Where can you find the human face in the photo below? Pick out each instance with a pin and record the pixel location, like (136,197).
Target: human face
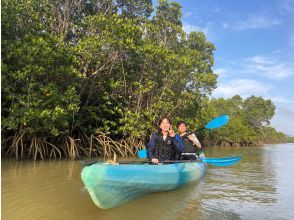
(182,128)
(165,125)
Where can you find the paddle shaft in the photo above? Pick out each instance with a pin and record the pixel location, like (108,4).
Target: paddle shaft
(89,163)
(165,162)
(225,161)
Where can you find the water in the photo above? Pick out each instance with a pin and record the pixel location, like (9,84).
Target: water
(260,186)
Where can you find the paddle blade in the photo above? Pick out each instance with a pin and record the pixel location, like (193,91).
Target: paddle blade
(142,153)
(217,122)
(222,162)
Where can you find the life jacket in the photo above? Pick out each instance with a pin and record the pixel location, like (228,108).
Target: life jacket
(188,145)
(164,149)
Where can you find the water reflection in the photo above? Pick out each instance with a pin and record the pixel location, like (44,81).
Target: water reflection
(259,187)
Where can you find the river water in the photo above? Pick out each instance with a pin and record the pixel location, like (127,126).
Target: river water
(260,186)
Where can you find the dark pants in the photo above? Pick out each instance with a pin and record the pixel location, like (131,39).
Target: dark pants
(188,157)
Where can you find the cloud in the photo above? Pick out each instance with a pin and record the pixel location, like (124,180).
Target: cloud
(223,72)
(283,120)
(207,29)
(281,100)
(252,22)
(188,14)
(286,6)
(276,65)
(225,25)
(242,87)
(188,28)
(268,66)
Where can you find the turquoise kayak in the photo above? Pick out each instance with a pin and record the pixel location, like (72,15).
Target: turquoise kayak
(113,185)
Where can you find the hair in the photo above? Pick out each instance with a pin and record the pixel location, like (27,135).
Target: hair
(160,121)
(181,122)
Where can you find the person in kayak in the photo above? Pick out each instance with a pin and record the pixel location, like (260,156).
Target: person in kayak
(190,141)
(164,144)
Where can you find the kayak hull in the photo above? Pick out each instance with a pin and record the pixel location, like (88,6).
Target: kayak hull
(113,185)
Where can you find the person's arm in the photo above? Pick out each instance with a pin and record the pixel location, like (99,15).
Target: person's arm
(195,140)
(178,143)
(150,147)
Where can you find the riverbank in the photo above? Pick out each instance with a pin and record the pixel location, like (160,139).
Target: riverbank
(98,145)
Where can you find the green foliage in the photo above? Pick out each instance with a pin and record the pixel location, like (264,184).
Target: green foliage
(134,8)
(90,66)
(289,139)
(258,110)
(270,135)
(248,125)
(72,68)
(39,86)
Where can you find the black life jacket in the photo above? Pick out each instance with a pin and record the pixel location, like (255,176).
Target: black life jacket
(188,145)
(164,149)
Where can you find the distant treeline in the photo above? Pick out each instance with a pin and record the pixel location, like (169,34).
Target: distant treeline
(249,122)
(290,139)
(91,78)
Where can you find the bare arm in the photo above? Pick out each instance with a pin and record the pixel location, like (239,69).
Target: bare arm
(195,140)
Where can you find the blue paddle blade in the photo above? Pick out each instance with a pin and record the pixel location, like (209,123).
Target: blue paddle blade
(217,122)
(142,153)
(222,161)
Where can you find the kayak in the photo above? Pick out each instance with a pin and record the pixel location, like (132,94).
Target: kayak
(111,185)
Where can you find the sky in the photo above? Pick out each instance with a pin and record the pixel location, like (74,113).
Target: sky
(254,55)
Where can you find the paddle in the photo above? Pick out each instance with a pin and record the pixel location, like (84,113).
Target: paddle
(216,122)
(221,162)
(89,163)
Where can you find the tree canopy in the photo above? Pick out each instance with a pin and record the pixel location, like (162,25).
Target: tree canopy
(76,74)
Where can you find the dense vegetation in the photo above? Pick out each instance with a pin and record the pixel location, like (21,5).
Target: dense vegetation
(93,77)
(290,139)
(249,123)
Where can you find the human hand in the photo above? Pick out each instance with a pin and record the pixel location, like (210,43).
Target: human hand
(171,133)
(194,139)
(191,137)
(154,160)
